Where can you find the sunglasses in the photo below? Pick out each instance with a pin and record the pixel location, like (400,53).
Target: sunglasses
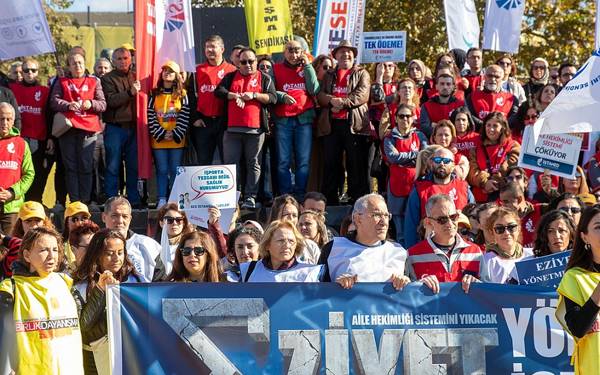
(573,210)
(76,219)
(264,67)
(247,62)
(532,117)
(326,67)
(443,220)
(403,116)
(198,251)
(511,228)
(30,70)
(171,219)
(441,160)
(294,49)
(539,67)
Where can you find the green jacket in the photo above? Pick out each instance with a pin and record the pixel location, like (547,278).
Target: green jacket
(20,187)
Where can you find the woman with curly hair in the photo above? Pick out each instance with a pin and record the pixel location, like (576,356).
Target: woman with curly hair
(242,247)
(104,263)
(196,259)
(555,233)
(279,249)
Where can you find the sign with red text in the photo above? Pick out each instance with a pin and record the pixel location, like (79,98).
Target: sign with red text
(383,46)
(338,20)
(198,188)
(558,153)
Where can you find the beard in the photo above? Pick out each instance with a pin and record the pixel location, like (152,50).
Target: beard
(440,173)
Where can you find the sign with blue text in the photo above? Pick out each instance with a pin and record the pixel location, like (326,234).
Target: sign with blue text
(383,46)
(543,271)
(318,328)
(558,153)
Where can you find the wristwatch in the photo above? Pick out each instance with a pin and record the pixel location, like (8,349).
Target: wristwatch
(253,95)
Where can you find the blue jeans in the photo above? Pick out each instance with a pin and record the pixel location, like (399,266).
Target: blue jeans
(166,161)
(120,144)
(293,139)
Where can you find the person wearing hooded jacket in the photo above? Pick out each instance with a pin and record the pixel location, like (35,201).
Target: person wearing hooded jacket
(16,168)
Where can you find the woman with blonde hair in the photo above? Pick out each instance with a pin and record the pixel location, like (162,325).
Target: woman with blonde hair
(279,250)
(422,165)
(196,259)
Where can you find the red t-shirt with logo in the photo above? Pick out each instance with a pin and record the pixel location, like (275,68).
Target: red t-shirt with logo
(208,78)
(32,106)
(249,116)
(340,90)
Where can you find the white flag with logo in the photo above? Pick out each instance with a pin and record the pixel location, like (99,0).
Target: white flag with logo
(336,21)
(462,24)
(502,25)
(24,29)
(175,34)
(575,108)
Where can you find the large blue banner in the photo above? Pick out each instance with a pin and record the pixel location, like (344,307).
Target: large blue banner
(320,328)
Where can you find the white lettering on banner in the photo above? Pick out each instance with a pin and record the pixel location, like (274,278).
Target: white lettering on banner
(287,87)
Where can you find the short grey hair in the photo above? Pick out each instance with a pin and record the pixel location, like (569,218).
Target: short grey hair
(362,203)
(101,60)
(9,106)
(117,200)
(436,199)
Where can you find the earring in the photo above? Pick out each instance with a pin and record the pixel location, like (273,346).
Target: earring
(588,247)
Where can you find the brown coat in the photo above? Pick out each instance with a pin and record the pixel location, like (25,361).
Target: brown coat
(120,102)
(359,85)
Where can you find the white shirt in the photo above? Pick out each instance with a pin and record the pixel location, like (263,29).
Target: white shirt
(501,270)
(300,272)
(142,251)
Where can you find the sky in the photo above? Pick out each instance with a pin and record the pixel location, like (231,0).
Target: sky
(101,6)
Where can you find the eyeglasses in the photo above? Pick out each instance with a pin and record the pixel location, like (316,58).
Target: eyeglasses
(294,49)
(531,117)
(30,70)
(511,228)
(247,62)
(514,178)
(538,67)
(78,219)
(264,67)
(573,210)
(378,216)
(403,116)
(441,160)
(171,219)
(443,220)
(198,251)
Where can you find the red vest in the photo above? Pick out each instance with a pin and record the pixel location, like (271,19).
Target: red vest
(208,78)
(32,106)
(467,261)
(393,107)
(340,90)
(466,143)
(474,81)
(488,102)
(401,178)
(249,116)
(12,150)
(81,89)
(529,225)
(497,156)
(291,81)
(438,112)
(457,189)
(376,110)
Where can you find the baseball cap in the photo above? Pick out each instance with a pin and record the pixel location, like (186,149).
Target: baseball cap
(31,209)
(75,208)
(171,65)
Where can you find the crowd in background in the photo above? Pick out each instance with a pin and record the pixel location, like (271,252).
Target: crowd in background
(427,158)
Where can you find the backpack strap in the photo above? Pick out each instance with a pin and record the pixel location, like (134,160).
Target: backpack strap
(251,268)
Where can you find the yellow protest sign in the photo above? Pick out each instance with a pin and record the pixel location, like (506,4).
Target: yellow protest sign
(269,25)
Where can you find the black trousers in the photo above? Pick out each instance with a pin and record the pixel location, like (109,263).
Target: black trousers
(356,147)
(78,157)
(42,164)
(208,139)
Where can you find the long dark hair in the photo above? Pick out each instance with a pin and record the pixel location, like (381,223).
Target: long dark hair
(90,269)
(580,256)
(212,272)
(465,111)
(505,132)
(542,246)
(241,230)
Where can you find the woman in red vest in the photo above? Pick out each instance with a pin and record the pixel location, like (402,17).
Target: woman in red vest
(79,99)
(401,148)
(466,136)
(491,159)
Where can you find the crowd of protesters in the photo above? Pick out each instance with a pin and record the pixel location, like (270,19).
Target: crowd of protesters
(427,158)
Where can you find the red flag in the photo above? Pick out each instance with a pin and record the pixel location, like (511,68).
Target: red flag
(145,47)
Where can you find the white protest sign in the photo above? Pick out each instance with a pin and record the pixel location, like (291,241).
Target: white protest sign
(558,153)
(198,188)
(382,46)
(24,30)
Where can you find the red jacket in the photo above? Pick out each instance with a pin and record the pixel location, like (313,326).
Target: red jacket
(426,259)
